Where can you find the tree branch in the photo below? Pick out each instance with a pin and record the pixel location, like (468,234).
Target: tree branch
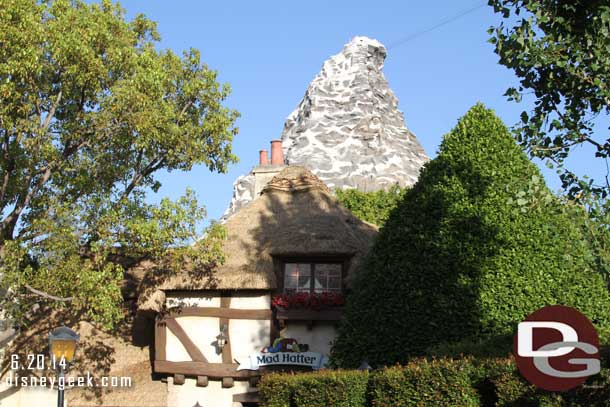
(47,120)
(46,295)
(139,176)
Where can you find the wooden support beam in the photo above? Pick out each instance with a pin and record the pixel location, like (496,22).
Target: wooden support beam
(202,381)
(253,381)
(225,303)
(160,340)
(190,347)
(230,313)
(332,314)
(250,397)
(227,382)
(212,370)
(179,379)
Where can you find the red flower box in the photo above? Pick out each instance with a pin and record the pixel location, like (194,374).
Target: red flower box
(315,301)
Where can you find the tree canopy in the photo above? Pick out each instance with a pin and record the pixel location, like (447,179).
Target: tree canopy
(373,207)
(90,112)
(476,245)
(560,51)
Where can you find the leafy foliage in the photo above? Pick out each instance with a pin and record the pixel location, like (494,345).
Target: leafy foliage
(442,383)
(478,243)
(463,381)
(560,50)
(324,388)
(90,111)
(372,207)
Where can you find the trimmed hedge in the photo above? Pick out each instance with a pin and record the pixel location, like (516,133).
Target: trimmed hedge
(476,245)
(445,382)
(441,383)
(328,388)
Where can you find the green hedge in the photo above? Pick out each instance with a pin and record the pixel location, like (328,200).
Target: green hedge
(477,244)
(464,382)
(442,383)
(329,388)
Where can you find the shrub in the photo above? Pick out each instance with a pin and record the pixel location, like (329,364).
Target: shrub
(329,388)
(372,207)
(464,382)
(476,245)
(442,382)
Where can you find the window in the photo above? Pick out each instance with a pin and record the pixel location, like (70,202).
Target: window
(312,277)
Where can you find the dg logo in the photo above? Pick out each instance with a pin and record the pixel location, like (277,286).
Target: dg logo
(557,348)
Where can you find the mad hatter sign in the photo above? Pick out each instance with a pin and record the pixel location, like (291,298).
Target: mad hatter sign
(256,360)
(284,352)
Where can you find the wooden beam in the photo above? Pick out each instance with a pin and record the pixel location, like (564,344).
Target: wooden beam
(250,397)
(212,370)
(225,300)
(179,379)
(227,382)
(253,381)
(190,347)
(274,332)
(225,303)
(230,313)
(333,314)
(202,381)
(160,340)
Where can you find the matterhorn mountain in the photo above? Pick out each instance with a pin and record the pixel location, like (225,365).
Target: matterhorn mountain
(347,129)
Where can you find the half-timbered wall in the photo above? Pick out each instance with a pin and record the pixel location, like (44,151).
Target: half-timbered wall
(186,348)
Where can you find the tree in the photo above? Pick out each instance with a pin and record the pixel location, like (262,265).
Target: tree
(476,245)
(90,112)
(372,207)
(559,49)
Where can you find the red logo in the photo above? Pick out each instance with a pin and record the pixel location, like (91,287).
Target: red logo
(557,348)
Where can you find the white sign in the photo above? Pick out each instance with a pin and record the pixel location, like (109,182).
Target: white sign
(254,361)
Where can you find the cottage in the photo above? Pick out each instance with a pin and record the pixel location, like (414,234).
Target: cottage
(274,304)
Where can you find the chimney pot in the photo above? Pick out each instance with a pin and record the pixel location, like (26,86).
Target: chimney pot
(277,155)
(264,159)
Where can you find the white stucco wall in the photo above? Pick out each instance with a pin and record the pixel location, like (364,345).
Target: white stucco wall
(319,337)
(246,336)
(190,299)
(188,394)
(27,396)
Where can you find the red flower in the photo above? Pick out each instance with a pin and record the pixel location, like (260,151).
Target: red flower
(314,301)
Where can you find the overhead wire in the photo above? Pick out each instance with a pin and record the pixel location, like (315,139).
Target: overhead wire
(435,26)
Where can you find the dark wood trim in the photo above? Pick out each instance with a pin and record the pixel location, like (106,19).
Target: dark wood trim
(225,303)
(329,314)
(230,313)
(190,347)
(179,379)
(250,397)
(274,331)
(212,370)
(253,381)
(227,382)
(202,381)
(160,340)
(225,299)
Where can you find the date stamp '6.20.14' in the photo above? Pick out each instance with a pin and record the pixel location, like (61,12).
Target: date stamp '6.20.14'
(32,371)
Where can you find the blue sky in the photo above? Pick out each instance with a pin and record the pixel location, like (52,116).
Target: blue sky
(269,52)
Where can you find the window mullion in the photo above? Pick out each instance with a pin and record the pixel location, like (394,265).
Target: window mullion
(312,288)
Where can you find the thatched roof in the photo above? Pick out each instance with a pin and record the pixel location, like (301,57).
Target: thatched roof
(295,216)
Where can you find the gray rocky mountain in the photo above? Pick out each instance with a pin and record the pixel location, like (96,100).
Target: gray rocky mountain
(347,129)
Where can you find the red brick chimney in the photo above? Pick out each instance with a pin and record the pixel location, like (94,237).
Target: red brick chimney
(277,155)
(264,159)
